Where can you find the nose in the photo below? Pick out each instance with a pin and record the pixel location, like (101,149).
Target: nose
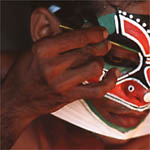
(147,97)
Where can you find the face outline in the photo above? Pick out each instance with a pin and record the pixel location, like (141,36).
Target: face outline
(113,106)
(115,112)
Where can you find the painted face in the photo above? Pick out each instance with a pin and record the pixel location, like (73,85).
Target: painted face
(129,32)
(132,87)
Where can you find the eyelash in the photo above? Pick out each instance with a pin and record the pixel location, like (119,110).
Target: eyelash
(114,60)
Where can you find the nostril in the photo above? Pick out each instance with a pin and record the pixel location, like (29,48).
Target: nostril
(138,98)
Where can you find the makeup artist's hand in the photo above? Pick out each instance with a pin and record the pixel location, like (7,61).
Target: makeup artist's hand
(51,75)
(60,64)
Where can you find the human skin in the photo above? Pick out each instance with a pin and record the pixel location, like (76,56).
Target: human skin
(114,112)
(46,78)
(55,74)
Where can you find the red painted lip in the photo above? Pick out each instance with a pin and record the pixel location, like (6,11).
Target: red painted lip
(127,119)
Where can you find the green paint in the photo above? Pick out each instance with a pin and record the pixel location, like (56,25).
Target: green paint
(108,22)
(122,69)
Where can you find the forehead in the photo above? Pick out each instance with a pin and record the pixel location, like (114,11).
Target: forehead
(132,6)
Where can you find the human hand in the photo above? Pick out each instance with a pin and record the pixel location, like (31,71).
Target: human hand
(60,64)
(51,75)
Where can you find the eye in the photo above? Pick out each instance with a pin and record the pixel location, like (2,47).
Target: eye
(119,56)
(117,61)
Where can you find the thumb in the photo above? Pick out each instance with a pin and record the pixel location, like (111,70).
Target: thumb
(95,90)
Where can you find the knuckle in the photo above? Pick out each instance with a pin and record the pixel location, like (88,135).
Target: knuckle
(56,88)
(99,33)
(83,39)
(90,35)
(99,92)
(48,73)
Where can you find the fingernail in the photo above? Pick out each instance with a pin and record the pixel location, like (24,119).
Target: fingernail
(117,72)
(109,45)
(105,34)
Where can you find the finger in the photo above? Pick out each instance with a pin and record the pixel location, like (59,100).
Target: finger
(57,66)
(99,49)
(73,77)
(95,90)
(71,40)
(60,63)
(88,52)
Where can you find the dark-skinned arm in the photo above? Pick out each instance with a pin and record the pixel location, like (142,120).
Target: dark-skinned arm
(50,75)
(12,121)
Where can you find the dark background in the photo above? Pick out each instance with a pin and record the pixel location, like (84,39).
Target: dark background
(15,19)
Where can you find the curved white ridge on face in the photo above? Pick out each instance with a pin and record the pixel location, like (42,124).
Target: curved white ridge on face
(79,114)
(147,74)
(125,29)
(147,97)
(122,19)
(123,99)
(127,104)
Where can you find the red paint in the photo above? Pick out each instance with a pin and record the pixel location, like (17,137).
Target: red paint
(148,74)
(134,97)
(134,31)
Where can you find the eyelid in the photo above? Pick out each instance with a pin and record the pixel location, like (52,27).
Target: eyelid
(123,54)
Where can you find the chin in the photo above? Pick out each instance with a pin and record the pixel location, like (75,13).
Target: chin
(118,114)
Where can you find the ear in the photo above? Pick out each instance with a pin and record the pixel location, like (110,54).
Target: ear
(43,24)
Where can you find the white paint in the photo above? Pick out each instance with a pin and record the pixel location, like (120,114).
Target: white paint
(116,24)
(122,18)
(144,24)
(138,20)
(120,11)
(124,13)
(79,114)
(131,88)
(148,31)
(125,103)
(146,76)
(131,16)
(147,97)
